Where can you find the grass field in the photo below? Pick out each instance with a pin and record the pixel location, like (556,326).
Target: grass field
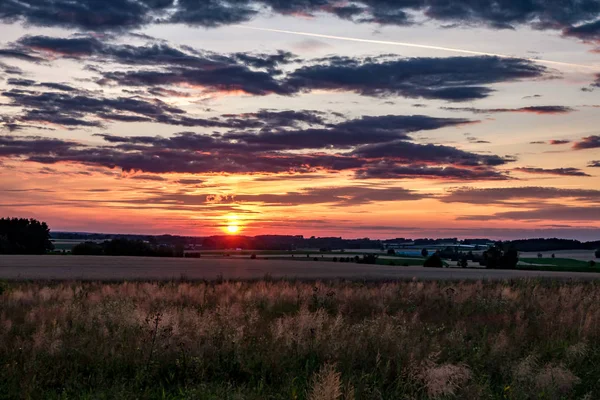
(559,264)
(300,340)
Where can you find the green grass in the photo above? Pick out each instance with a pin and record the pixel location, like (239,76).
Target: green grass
(559,264)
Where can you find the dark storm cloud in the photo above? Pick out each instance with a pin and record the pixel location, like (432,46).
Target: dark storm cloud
(532,110)
(589,142)
(390,171)
(595,164)
(552,171)
(508,196)
(452,78)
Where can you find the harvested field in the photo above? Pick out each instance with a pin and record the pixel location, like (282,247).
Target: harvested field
(132,268)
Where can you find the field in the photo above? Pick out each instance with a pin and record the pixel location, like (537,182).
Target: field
(560,264)
(528,339)
(152,268)
(581,255)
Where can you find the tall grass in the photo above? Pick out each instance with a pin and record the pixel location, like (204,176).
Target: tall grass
(300,340)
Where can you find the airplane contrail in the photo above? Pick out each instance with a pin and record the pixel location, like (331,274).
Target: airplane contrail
(420,46)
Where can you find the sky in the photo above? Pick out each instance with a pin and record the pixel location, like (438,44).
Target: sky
(367,118)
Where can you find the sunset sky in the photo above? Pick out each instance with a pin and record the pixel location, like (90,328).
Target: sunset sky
(368,118)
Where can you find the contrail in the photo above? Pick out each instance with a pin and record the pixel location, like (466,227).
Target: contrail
(420,46)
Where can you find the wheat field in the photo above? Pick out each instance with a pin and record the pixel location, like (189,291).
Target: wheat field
(300,340)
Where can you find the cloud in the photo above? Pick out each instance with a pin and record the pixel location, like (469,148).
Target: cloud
(391,171)
(340,196)
(19,55)
(260,74)
(76,108)
(407,152)
(146,177)
(342,135)
(554,171)
(595,164)
(194,153)
(551,212)
(558,141)
(588,142)
(532,110)
(451,78)
(575,17)
(508,195)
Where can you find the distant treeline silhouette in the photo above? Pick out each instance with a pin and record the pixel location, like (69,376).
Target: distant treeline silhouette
(292,242)
(24,236)
(127,247)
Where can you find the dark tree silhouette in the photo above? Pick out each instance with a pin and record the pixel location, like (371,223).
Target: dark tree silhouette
(597,253)
(500,256)
(435,261)
(88,249)
(391,252)
(463,263)
(424,252)
(24,236)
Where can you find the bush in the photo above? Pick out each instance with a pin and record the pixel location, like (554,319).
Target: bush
(592,263)
(597,253)
(88,249)
(424,252)
(253,256)
(434,261)
(391,252)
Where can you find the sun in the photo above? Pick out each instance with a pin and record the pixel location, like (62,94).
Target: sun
(233,228)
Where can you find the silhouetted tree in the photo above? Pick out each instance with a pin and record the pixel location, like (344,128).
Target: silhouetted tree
(463,263)
(424,252)
(253,256)
(434,261)
(88,249)
(368,259)
(500,256)
(597,253)
(24,236)
(391,252)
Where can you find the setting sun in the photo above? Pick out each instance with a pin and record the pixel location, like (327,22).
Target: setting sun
(233,228)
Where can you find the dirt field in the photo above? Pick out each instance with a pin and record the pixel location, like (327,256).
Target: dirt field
(131,268)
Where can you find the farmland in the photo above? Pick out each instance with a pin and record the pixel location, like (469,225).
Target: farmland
(152,268)
(300,340)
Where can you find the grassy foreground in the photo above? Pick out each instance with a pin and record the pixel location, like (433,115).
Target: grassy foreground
(300,340)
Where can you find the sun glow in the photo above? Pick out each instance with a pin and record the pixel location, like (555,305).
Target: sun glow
(233,228)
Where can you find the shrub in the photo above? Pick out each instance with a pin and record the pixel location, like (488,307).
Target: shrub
(424,252)
(391,252)
(434,261)
(597,253)
(253,256)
